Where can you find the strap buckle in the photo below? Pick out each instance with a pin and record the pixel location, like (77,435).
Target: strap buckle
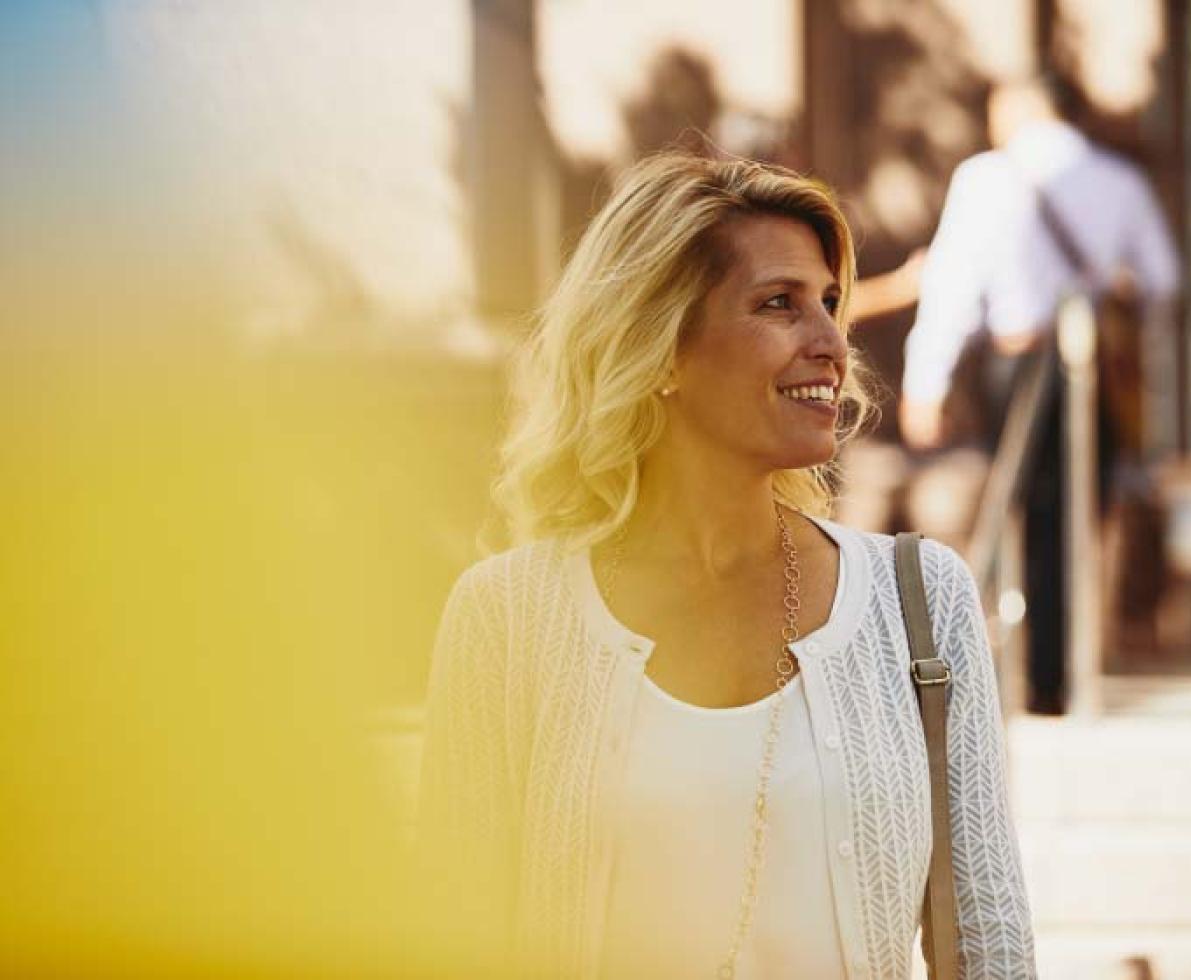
(929,672)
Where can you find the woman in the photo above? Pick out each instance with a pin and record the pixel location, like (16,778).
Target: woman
(673,732)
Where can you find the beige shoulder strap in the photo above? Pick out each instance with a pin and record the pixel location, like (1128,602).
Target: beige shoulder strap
(931,677)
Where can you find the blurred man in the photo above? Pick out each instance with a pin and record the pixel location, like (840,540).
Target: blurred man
(1044,213)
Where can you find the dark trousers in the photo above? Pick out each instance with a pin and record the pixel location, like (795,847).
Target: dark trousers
(1043,503)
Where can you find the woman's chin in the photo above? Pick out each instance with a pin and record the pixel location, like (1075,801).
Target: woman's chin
(811,454)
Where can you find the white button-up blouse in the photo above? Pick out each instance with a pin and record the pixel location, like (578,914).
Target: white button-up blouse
(532,694)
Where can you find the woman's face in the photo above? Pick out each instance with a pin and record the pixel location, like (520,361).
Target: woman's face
(761,372)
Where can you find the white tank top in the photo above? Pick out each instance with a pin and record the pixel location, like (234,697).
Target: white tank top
(682,829)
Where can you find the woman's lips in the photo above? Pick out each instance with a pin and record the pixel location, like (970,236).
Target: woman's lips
(826,409)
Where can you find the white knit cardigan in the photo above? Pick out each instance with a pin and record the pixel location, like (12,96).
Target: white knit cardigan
(531,692)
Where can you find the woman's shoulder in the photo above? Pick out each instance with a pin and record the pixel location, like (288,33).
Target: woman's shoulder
(952,596)
(942,565)
(514,570)
(512,596)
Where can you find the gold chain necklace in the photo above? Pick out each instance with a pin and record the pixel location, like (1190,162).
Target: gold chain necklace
(792,574)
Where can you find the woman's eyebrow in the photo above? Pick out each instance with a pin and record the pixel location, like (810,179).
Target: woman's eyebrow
(794,283)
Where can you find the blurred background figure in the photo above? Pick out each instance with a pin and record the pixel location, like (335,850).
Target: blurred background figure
(889,292)
(1015,221)
(1042,215)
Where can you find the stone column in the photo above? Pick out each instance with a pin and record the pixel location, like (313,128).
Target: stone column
(510,162)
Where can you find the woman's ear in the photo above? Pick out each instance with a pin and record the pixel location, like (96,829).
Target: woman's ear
(670,385)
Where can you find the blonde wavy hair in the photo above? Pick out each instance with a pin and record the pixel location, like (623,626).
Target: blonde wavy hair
(585,402)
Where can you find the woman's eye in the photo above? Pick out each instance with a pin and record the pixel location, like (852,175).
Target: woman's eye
(831,304)
(784,304)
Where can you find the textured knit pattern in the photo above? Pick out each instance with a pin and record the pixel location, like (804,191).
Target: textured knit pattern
(517,719)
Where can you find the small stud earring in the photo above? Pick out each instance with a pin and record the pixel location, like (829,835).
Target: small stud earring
(667,391)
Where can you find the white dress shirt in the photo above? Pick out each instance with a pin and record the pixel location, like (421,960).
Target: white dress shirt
(994,263)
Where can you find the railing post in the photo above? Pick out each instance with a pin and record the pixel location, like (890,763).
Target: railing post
(1081,535)
(1010,613)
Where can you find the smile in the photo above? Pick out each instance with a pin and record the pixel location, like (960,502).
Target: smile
(814,394)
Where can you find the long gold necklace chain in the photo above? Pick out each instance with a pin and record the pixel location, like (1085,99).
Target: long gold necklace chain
(792,574)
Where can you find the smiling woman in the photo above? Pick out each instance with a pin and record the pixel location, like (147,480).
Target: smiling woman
(672,733)
(671,253)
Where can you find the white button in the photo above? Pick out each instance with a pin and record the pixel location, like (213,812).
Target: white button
(832,741)
(812,647)
(845,848)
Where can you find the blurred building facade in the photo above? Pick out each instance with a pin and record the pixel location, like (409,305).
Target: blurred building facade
(398,188)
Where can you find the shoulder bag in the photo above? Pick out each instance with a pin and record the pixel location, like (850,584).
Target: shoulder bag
(940,937)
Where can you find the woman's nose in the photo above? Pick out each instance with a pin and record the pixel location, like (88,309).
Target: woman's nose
(826,337)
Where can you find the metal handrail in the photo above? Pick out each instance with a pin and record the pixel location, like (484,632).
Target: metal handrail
(1015,451)
(1074,351)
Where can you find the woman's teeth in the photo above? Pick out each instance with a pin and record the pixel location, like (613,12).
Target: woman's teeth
(818,393)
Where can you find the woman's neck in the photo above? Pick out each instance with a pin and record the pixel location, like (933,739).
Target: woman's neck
(710,518)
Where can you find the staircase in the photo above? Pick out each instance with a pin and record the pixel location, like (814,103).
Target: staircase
(1103,812)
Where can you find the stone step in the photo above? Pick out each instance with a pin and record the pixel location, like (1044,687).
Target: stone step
(1083,954)
(1078,954)
(1114,876)
(1103,814)
(1149,695)
(1112,769)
